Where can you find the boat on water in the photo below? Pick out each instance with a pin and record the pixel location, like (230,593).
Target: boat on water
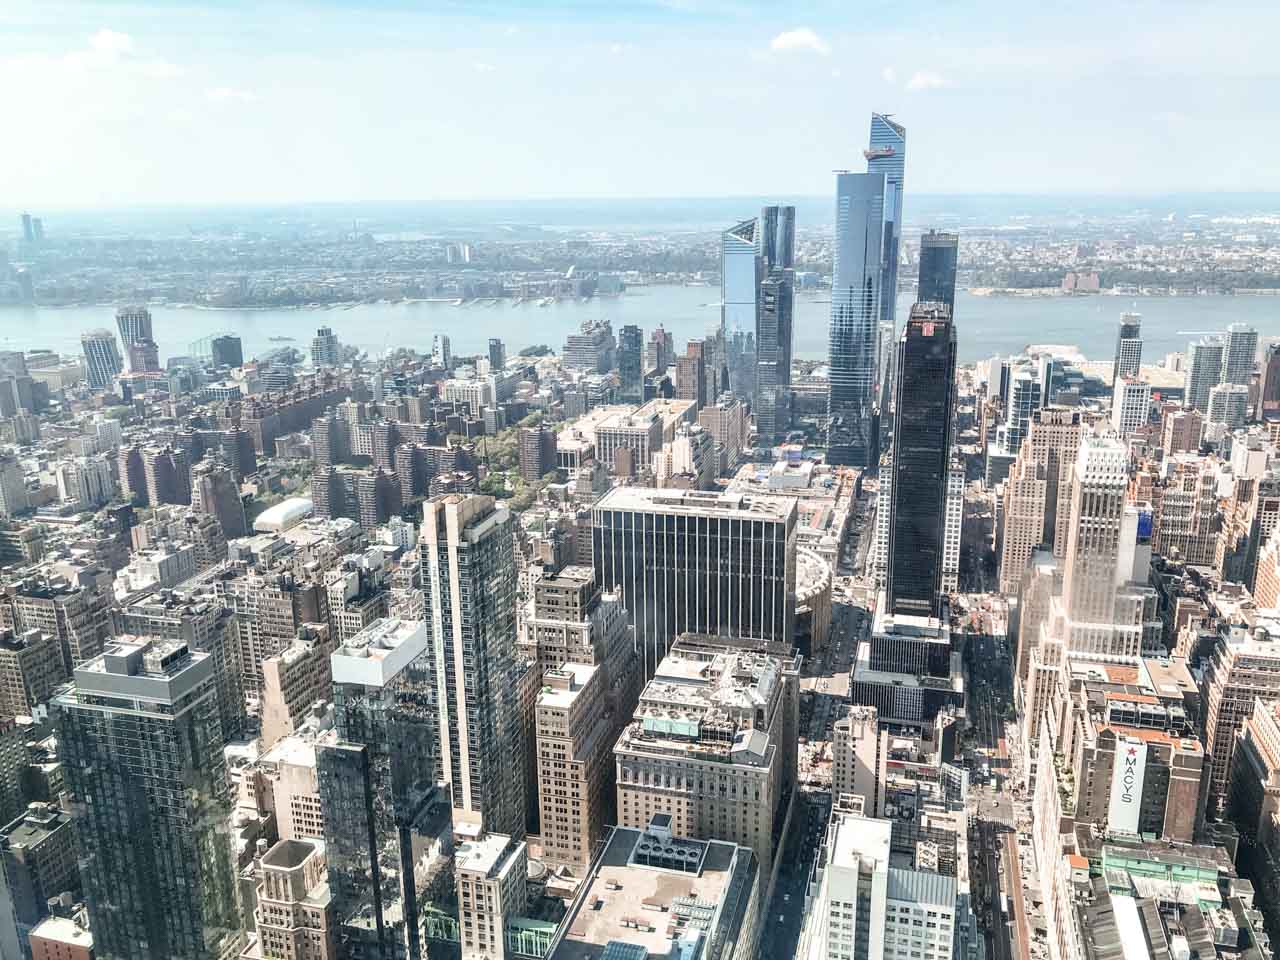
(281,339)
(546,301)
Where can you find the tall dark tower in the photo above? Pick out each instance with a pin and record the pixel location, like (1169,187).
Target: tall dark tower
(938,255)
(921,454)
(1128,362)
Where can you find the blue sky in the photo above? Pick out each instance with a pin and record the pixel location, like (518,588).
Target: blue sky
(114,104)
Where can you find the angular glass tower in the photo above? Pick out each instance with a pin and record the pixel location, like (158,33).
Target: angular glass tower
(773,353)
(855,318)
(888,155)
(921,455)
(938,255)
(740,273)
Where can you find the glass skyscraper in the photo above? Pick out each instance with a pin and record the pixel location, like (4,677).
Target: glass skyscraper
(855,318)
(887,154)
(631,362)
(740,273)
(774,326)
(938,255)
(921,456)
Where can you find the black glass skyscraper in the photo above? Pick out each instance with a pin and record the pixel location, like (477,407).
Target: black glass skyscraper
(774,311)
(778,237)
(938,255)
(631,361)
(921,454)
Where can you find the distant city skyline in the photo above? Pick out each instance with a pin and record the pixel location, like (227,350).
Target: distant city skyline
(283,104)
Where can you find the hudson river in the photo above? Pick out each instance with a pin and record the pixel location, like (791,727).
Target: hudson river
(986,325)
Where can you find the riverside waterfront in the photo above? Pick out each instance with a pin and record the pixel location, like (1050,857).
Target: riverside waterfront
(986,325)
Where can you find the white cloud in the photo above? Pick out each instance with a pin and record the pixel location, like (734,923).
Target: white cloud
(106,51)
(230,95)
(889,75)
(481,67)
(616,48)
(926,80)
(800,39)
(111,43)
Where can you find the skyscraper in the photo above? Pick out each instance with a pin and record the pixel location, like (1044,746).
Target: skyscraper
(442,351)
(1269,395)
(28,234)
(142,752)
(631,362)
(1240,354)
(740,272)
(214,491)
(1128,361)
(939,253)
(469,584)
(101,358)
(921,458)
(778,237)
(774,329)
(855,315)
(377,782)
(226,351)
(697,562)
(325,351)
(887,154)
(1203,371)
(1130,405)
(139,341)
(497,355)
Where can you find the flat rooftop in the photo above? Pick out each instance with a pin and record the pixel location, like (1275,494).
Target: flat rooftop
(378,652)
(698,503)
(634,903)
(562,697)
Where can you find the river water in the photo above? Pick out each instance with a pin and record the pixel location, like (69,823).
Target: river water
(985,325)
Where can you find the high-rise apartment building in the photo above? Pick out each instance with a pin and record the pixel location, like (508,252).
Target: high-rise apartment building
(325,349)
(861,227)
(497,355)
(102,360)
(1184,501)
(1128,360)
(921,460)
(226,351)
(953,528)
(1180,431)
(79,615)
(631,362)
(1130,405)
(707,746)
(441,351)
(1228,405)
(1240,354)
(1269,393)
(469,583)
(377,779)
(777,237)
(167,474)
(691,375)
(215,492)
(31,668)
(138,338)
(142,748)
(939,253)
(697,562)
(537,452)
(86,481)
(591,349)
(1203,372)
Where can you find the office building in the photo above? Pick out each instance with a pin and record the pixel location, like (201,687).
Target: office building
(1184,504)
(777,237)
(215,492)
(631,363)
(706,746)
(1180,431)
(887,155)
(1240,354)
(101,358)
(142,748)
(921,460)
(1243,668)
(861,227)
(728,423)
(861,906)
(939,253)
(294,917)
(774,332)
(60,938)
(697,562)
(469,583)
(652,893)
(1204,366)
(741,269)
(492,887)
(591,349)
(1269,393)
(1128,359)
(1130,405)
(325,349)
(692,375)
(384,745)
(226,351)
(1228,405)
(497,355)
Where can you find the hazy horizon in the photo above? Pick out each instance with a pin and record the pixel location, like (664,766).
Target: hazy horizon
(119,104)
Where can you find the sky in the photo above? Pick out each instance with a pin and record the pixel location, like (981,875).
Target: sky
(111,104)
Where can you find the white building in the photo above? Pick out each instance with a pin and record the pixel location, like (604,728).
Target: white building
(475,394)
(1130,405)
(87,481)
(13,489)
(1228,404)
(952,529)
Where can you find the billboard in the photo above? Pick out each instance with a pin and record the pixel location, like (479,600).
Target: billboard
(1126,785)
